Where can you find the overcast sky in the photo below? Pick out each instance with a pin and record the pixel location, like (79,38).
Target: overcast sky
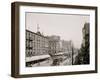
(68,27)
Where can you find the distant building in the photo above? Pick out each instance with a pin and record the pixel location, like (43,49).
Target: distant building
(54,44)
(36,44)
(66,46)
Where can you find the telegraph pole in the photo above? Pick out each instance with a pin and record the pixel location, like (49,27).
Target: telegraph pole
(72,54)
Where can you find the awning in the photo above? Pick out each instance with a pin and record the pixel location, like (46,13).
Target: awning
(33,58)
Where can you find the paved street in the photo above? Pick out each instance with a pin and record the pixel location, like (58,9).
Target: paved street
(68,61)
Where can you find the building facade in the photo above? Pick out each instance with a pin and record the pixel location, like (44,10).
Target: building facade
(85,32)
(85,52)
(54,44)
(36,44)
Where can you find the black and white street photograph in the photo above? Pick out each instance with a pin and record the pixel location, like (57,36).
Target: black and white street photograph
(53,39)
(56,39)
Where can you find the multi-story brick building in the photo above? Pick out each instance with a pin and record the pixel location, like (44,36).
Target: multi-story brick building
(36,44)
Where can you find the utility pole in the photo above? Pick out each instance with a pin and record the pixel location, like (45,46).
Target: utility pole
(72,54)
